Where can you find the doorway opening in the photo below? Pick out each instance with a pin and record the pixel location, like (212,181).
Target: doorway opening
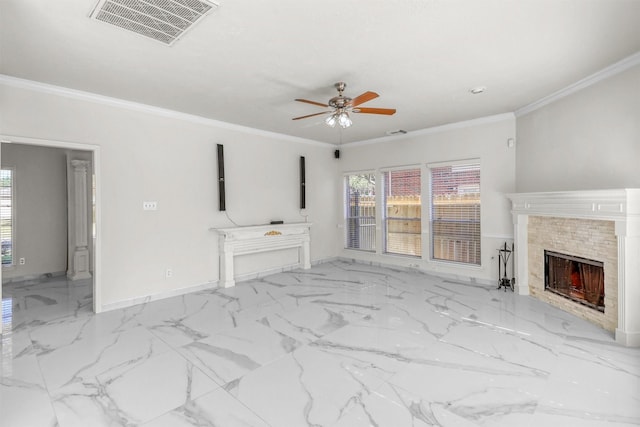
(70,216)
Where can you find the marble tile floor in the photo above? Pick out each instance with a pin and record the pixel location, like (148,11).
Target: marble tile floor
(340,345)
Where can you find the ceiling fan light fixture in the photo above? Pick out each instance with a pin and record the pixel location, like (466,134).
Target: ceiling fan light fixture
(344,120)
(342,106)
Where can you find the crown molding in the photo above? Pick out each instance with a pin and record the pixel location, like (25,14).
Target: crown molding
(605,73)
(17,139)
(436,129)
(149,109)
(610,71)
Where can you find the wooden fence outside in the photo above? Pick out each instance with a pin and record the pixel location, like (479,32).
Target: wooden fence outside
(403,226)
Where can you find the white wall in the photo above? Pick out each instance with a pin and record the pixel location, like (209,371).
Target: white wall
(40,195)
(148,157)
(588,140)
(486,141)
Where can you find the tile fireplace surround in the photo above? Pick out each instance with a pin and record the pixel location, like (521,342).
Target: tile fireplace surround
(600,224)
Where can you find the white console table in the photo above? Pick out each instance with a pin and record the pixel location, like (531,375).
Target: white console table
(260,238)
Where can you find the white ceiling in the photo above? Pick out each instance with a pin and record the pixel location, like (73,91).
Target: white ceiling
(247,61)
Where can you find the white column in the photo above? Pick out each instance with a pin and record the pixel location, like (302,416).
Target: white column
(521,240)
(380,213)
(628,235)
(79,262)
(305,253)
(226,264)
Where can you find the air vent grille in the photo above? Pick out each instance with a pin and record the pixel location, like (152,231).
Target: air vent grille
(161,20)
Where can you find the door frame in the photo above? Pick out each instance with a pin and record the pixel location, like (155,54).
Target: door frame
(95,158)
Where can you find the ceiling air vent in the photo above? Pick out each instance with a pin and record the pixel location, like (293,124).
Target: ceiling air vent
(162,20)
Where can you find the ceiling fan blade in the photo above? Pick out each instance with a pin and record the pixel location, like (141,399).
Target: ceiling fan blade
(311,115)
(312,102)
(360,99)
(385,111)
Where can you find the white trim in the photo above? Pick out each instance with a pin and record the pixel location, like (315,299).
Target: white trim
(457,162)
(605,73)
(95,152)
(321,261)
(41,276)
(608,205)
(401,168)
(472,280)
(163,112)
(436,129)
(425,217)
(457,264)
(360,172)
(16,139)
(497,236)
(628,339)
(204,286)
(97,241)
(130,302)
(150,109)
(264,273)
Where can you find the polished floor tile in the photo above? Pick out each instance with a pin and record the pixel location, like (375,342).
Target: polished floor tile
(340,345)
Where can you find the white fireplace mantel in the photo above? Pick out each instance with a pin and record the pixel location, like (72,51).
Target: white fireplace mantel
(619,205)
(253,239)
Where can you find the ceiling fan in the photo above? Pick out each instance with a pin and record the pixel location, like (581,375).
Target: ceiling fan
(342,106)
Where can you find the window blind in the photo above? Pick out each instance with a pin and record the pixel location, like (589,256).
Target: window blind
(6,215)
(403,212)
(361,212)
(455,213)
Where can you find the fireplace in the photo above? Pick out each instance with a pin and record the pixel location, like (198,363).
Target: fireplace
(601,225)
(578,279)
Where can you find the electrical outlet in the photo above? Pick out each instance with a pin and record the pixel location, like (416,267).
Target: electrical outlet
(168,273)
(22,261)
(150,206)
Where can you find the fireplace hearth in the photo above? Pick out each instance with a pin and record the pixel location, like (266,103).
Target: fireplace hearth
(578,279)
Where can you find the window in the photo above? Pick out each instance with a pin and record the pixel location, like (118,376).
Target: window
(361,212)
(455,213)
(6,216)
(403,212)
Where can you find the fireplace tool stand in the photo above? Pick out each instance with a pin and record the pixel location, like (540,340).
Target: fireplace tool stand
(504,254)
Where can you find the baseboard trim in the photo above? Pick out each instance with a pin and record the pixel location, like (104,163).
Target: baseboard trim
(28,277)
(325,260)
(439,274)
(209,285)
(269,272)
(257,275)
(155,297)
(628,339)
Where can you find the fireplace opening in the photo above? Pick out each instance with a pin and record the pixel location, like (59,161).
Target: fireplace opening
(579,279)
